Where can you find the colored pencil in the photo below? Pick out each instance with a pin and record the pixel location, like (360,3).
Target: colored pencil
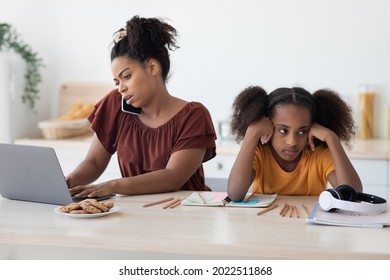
(176,204)
(291,211)
(171,203)
(282,210)
(158,202)
(307,211)
(286,210)
(202,198)
(267,209)
(296,211)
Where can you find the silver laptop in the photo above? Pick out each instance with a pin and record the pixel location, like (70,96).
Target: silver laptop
(32,173)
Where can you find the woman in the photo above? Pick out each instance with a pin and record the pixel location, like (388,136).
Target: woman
(161,140)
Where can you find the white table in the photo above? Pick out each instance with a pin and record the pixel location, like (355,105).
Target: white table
(35,231)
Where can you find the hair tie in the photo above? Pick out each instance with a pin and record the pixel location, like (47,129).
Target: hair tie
(120,34)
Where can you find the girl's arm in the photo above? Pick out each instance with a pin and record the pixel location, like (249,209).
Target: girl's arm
(242,174)
(181,166)
(344,172)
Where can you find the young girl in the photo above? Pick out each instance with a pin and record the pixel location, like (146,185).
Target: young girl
(291,142)
(161,147)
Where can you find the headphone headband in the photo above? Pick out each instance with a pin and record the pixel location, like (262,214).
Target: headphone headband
(370,198)
(365,203)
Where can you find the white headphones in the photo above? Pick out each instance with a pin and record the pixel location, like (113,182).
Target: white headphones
(345,197)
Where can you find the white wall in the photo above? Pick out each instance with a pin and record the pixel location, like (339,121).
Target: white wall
(225,45)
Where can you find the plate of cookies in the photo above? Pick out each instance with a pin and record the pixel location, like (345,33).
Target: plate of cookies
(87,208)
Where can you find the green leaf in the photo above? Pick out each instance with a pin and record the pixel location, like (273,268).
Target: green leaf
(10,40)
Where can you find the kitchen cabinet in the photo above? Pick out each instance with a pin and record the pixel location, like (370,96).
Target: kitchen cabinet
(374,175)
(219,167)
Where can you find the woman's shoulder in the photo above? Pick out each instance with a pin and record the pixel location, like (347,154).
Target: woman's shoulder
(194,107)
(194,117)
(111,102)
(107,108)
(112,96)
(193,110)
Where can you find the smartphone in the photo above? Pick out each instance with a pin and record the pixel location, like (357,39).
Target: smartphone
(127,108)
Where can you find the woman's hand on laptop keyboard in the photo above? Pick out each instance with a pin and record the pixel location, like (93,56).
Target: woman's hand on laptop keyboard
(96,190)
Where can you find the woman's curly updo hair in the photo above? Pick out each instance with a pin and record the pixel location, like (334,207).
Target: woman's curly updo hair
(326,107)
(147,38)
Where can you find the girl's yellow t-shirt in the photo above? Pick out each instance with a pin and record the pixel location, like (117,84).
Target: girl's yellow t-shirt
(308,178)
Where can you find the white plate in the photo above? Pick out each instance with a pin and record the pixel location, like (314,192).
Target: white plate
(86,216)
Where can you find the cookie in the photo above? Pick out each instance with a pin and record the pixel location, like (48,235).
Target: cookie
(108,204)
(78,212)
(70,207)
(98,205)
(89,207)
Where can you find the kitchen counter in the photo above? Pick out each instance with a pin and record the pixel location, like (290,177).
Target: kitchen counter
(370,149)
(79,142)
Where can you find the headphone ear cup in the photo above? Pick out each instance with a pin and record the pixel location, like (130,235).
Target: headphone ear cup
(336,195)
(347,192)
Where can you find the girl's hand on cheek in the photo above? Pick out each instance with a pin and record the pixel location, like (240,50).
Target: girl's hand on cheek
(264,129)
(268,130)
(311,142)
(313,133)
(319,132)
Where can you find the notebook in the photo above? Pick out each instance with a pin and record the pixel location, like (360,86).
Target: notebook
(348,218)
(32,173)
(221,199)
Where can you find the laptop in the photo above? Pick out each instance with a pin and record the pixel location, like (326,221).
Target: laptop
(34,174)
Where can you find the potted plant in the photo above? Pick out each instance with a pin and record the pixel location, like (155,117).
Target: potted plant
(10,40)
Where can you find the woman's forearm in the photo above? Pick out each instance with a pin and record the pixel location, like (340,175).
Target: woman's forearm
(86,173)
